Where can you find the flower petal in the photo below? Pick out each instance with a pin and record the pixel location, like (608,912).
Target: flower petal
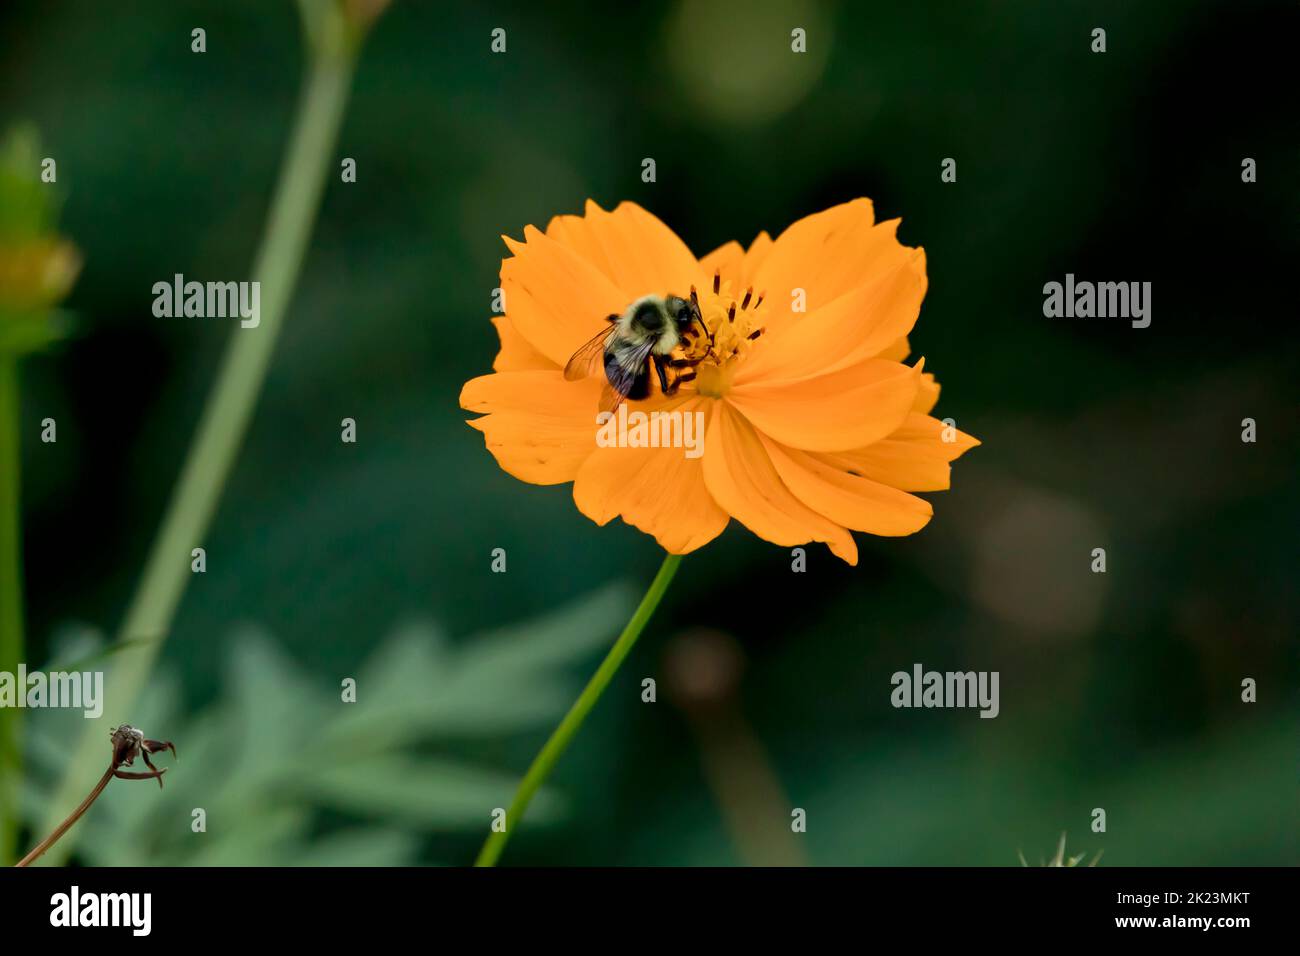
(861,323)
(827,254)
(659,490)
(516,355)
(555,298)
(799,253)
(913,458)
(734,264)
(741,478)
(727,260)
(849,408)
(847,499)
(632,248)
(539,427)
(755,256)
(927,394)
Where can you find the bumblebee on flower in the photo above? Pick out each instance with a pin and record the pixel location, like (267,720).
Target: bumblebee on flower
(792,350)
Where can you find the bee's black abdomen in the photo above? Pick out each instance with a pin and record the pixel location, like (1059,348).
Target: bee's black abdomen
(640,385)
(617,375)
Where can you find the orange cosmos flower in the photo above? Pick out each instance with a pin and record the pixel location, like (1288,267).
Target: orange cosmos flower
(814,425)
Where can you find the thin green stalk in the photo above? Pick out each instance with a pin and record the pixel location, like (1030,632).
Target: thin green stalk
(11,600)
(333,47)
(563,735)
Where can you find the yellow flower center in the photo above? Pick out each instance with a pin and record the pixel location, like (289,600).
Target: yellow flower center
(734,324)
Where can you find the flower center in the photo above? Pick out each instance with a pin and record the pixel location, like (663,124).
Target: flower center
(733,324)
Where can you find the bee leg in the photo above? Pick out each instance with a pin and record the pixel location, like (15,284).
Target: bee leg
(684,377)
(663,375)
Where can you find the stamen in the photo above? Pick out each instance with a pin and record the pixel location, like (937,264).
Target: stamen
(756,333)
(760,299)
(717,280)
(731,313)
(748,293)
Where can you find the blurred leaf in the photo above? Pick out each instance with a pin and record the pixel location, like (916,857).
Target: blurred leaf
(279,751)
(359,846)
(429,794)
(27,206)
(496,684)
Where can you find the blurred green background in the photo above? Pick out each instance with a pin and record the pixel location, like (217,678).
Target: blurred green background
(329,560)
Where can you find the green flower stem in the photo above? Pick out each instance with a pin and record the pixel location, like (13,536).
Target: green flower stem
(11,600)
(333,46)
(563,735)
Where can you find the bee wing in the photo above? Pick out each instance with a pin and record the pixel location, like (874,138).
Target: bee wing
(622,374)
(589,359)
(610,399)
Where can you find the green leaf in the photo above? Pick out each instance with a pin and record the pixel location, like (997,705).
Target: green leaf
(286,771)
(428,794)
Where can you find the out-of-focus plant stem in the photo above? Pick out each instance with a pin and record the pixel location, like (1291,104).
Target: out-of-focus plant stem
(11,600)
(333,40)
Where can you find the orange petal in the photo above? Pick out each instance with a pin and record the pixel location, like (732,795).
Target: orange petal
(539,427)
(927,394)
(741,478)
(847,409)
(632,248)
(555,298)
(913,458)
(827,254)
(736,265)
(755,256)
(898,351)
(847,499)
(659,490)
(579,234)
(728,261)
(859,324)
(797,255)
(516,355)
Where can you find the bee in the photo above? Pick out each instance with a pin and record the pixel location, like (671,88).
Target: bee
(640,339)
